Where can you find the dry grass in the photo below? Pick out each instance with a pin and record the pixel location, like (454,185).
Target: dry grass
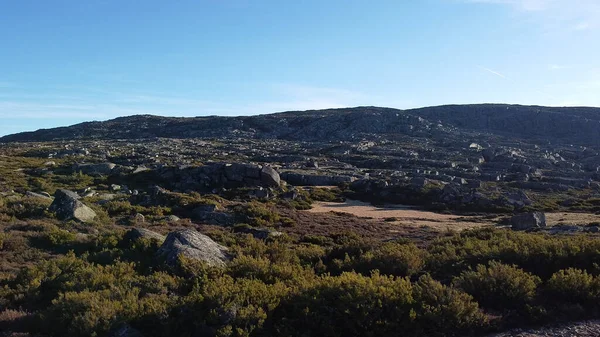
(571,218)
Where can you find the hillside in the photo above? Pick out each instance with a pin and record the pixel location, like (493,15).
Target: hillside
(547,124)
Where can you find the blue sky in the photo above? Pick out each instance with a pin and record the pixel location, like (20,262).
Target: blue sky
(68,61)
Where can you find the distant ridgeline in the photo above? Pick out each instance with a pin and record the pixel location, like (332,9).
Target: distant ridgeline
(577,126)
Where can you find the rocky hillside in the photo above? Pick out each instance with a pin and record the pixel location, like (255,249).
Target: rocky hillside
(547,124)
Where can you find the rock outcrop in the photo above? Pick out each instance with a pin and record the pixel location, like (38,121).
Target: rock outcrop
(67,206)
(526,221)
(216,175)
(95,169)
(299,179)
(193,245)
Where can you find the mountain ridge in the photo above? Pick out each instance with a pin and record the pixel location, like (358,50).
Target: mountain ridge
(573,125)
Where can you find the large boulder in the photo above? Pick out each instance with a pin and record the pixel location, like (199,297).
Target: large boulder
(67,206)
(526,221)
(193,245)
(269,177)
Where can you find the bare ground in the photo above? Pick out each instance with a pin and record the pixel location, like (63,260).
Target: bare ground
(405,215)
(414,217)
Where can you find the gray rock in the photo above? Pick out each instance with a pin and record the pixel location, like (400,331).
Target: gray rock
(299,179)
(261,233)
(260,193)
(290,195)
(193,245)
(107,196)
(592,229)
(139,218)
(67,206)
(209,213)
(38,195)
(126,331)
(96,169)
(142,233)
(270,177)
(140,169)
(526,221)
(172,218)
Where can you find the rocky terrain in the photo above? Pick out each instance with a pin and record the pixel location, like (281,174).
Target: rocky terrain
(441,221)
(579,126)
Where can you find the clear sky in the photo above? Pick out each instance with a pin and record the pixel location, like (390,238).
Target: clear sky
(68,61)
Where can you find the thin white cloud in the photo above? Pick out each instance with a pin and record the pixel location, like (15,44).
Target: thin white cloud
(492,72)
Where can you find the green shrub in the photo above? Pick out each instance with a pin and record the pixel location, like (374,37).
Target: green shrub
(348,305)
(499,286)
(574,286)
(541,255)
(257,214)
(227,307)
(444,311)
(265,270)
(60,237)
(389,259)
(326,194)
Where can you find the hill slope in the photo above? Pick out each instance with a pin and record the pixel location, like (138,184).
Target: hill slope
(565,125)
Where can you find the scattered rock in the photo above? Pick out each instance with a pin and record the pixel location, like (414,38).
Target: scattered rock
(208,213)
(42,195)
(172,218)
(526,221)
(67,206)
(261,233)
(260,193)
(138,218)
(126,331)
(193,245)
(142,233)
(95,169)
(299,179)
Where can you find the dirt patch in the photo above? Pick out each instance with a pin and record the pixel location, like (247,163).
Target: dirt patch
(405,215)
(571,218)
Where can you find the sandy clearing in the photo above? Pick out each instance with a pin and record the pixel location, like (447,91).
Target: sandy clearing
(404,215)
(414,217)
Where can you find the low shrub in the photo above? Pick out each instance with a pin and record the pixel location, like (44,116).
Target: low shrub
(499,286)
(574,286)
